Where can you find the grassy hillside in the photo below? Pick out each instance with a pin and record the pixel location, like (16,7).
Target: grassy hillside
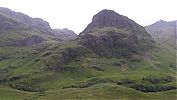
(106,91)
(7,93)
(33,65)
(89,75)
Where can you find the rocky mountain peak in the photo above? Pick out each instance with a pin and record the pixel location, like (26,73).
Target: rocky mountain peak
(106,18)
(112,34)
(109,18)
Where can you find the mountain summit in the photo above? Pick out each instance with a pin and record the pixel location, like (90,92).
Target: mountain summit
(109,18)
(112,34)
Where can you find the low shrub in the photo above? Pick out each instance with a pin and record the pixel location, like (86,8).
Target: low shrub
(151,88)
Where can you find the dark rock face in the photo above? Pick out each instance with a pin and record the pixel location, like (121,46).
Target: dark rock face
(111,34)
(112,45)
(64,34)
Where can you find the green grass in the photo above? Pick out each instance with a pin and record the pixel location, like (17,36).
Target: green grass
(7,93)
(106,91)
(29,62)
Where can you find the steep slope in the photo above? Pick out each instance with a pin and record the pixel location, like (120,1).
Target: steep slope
(7,23)
(111,34)
(163,32)
(23,27)
(33,23)
(17,29)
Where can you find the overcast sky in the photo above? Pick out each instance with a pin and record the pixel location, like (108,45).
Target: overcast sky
(76,14)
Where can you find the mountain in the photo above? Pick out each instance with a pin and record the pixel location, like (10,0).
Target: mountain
(112,34)
(65,34)
(109,18)
(35,24)
(25,30)
(113,58)
(32,23)
(163,32)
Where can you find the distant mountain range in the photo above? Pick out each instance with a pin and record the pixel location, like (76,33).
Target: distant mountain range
(163,32)
(64,34)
